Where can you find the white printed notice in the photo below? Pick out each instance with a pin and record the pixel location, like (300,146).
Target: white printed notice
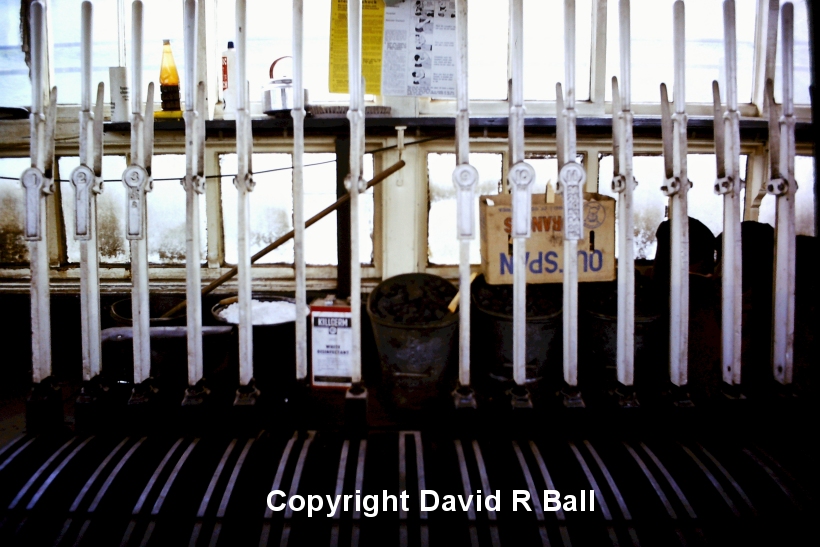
(332,342)
(419,55)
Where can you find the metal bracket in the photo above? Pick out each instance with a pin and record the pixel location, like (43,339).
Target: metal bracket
(247,183)
(465,178)
(361,186)
(137,182)
(85,186)
(724,185)
(572,178)
(197,182)
(672,186)
(777,187)
(400,139)
(618,183)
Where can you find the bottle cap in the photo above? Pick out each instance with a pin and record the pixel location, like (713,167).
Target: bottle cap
(166,42)
(230,45)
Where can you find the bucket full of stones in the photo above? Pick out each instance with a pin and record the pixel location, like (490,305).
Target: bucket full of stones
(599,336)
(416,337)
(493,359)
(274,335)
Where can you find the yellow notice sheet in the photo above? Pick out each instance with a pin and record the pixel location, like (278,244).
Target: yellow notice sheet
(372,35)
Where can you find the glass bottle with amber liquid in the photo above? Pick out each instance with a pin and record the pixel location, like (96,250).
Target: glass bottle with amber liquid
(169,79)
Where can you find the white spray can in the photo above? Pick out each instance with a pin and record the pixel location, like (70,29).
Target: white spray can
(229,83)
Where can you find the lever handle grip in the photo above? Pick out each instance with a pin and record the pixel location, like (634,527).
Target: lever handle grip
(522,175)
(573,177)
(465,179)
(136,180)
(33,180)
(83,179)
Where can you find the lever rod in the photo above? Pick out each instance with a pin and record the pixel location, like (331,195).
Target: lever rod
(784,187)
(137,180)
(87,182)
(194,184)
(298,115)
(354,182)
(728,184)
(571,185)
(521,176)
(37,182)
(465,179)
(244,185)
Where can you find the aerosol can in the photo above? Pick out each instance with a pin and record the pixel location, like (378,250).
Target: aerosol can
(229,83)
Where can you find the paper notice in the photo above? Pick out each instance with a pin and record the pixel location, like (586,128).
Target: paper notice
(419,54)
(372,36)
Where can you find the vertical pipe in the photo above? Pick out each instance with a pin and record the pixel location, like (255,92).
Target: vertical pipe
(244,185)
(193,187)
(625,18)
(38,36)
(85,57)
(679,217)
(136,56)
(356,116)
(298,115)
(626,262)
(241,53)
(783,323)
(189,22)
(121,53)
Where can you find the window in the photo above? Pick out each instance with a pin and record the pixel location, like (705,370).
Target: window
(802,56)
(546,170)
(544,48)
(166,212)
(65,25)
(442,243)
(652,54)
(162,20)
(804,199)
(270,35)
(113,247)
(13,246)
(271,212)
(488,23)
(15,86)
(649,203)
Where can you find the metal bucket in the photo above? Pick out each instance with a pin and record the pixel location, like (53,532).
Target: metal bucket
(158,304)
(416,359)
(274,346)
(496,340)
(599,340)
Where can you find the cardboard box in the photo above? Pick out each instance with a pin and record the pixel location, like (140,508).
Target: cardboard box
(545,247)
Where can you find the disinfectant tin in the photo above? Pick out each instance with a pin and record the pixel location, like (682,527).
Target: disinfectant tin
(332,342)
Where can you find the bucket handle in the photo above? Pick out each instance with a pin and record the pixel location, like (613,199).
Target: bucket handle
(397,374)
(276,61)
